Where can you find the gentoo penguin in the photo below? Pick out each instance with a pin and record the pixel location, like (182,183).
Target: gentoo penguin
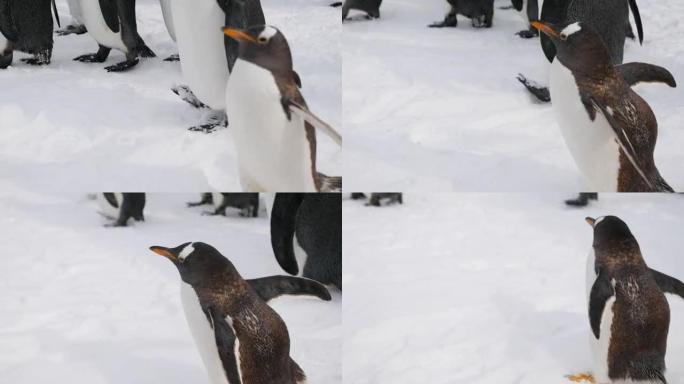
(167,13)
(247,203)
(122,206)
(371,7)
(529,10)
(26,26)
(76,27)
(388,198)
(607,17)
(611,131)
(582,199)
(628,312)
(207,57)
(272,127)
(480,13)
(239,337)
(306,235)
(112,24)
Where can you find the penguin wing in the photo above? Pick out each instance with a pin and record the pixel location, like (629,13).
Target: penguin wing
(225,342)
(637,20)
(110,13)
(618,117)
(7,26)
(634,73)
(314,120)
(111,199)
(269,288)
(283,220)
(667,283)
(601,291)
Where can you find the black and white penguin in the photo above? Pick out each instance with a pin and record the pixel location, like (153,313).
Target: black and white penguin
(306,235)
(238,336)
(112,24)
(247,203)
(122,206)
(77,27)
(26,26)
(582,199)
(611,131)
(377,199)
(628,312)
(371,7)
(207,57)
(272,127)
(480,13)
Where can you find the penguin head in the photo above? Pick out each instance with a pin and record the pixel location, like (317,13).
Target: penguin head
(263,45)
(196,262)
(610,231)
(578,47)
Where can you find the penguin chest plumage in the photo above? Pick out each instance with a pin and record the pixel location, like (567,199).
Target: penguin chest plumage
(273,152)
(201,47)
(203,334)
(591,143)
(168,17)
(3,43)
(98,28)
(75,10)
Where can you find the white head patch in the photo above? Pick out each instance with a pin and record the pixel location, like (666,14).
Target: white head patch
(569,30)
(598,220)
(186,251)
(267,33)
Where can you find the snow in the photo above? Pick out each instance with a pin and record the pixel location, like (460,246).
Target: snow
(72,126)
(81,303)
(441,109)
(489,288)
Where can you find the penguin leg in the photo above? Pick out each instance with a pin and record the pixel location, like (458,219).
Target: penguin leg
(211,121)
(207,198)
(174,57)
(358,195)
(144,50)
(98,57)
(6,59)
(541,93)
(450,20)
(41,58)
(188,96)
(73,29)
(582,378)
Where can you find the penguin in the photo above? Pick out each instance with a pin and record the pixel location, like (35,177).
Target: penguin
(167,13)
(207,57)
(582,199)
(26,26)
(248,203)
(358,196)
(77,26)
(389,198)
(529,10)
(272,127)
(607,17)
(628,312)
(306,235)
(122,206)
(611,131)
(112,24)
(238,336)
(371,7)
(480,13)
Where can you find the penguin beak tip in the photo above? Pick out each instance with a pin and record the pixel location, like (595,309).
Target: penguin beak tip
(590,221)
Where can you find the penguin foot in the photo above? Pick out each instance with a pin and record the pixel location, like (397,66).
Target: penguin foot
(175,57)
(91,58)
(449,21)
(36,61)
(122,66)
(528,33)
(541,93)
(188,96)
(72,29)
(481,22)
(207,128)
(212,120)
(213,213)
(581,378)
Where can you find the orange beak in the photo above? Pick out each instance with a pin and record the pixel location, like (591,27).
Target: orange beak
(590,221)
(238,35)
(546,28)
(163,251)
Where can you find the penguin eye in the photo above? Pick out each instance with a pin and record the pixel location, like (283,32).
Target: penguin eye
(563,36)
(262,40)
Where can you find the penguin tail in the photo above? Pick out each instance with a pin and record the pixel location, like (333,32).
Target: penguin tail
(329,183)
(269,288)
(297,373)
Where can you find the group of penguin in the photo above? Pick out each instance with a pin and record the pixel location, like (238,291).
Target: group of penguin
(609,129)
(239,337)
(236,66)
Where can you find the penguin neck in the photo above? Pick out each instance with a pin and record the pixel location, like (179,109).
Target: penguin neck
(618,254)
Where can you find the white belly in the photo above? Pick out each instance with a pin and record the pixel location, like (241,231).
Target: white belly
(601,346)
(3,43)
(591,143)
(107,209)
(97,26)
(203,334)
(273,152)
(591,272)
(75,10)
(201,48)
(300,255)
(168,17)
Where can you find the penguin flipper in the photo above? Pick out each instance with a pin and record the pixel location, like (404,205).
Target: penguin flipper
(225,342)
(314,120)
(634,73)
(637,20)
(668,284)
(601,291)
(616,119)
(110,13)
(269,288)
(283,218)
(111,199)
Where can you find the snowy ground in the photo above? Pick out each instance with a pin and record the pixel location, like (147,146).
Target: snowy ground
(487,289)
(74,126)
(429,109)
(81,303)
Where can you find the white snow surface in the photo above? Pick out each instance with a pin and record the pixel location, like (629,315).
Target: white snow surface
(81,303)
(487,289)
(73,126)
(440,109)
